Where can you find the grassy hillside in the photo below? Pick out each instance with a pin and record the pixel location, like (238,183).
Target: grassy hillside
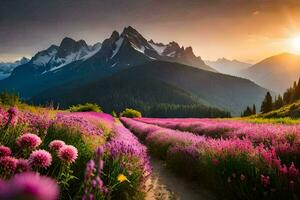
(290,110)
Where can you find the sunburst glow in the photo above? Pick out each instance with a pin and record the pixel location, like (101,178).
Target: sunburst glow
(295,42)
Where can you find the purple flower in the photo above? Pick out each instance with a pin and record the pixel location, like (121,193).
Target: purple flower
(12,111)
(68,153)
(90,168)
(100,151)
(29,141)
(23,166)
(4,151)
(40,159)
(30,186)
(56,145)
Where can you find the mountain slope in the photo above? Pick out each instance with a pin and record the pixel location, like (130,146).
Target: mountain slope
(276,73)
(291,110)
(149,83)
(6,68)
(75,60)
(231,67)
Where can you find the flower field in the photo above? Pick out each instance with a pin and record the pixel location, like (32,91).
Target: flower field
(52,155)
(91,155)
(237,159)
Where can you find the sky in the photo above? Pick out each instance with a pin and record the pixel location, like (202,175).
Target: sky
(247,30)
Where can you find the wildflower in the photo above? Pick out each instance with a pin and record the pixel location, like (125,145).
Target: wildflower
(40,159)
(23,166)
(100,151)
(8,164)
(243,177)
(233,175)
(283,169)
(215,162)
(121,178)
(99,182)
(12,116)
(4,151)
(293,171)
(56,145)
(13,111)
(229,180)
(100,165)
(29,141)
(68,153)
(30,186)
(90,168)
(265,180)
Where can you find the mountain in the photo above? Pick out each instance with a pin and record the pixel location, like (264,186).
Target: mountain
(159,82)
(75,60)
(231,67)
(276,73)
(6,68)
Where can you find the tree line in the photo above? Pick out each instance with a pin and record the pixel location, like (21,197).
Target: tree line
(291,95)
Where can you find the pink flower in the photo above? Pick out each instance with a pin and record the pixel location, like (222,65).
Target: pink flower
(229,180)
(12,116)
(215,162)
(243,177)
(293,171)
(13,111)
(28,140)
(23,166)
(283,169)
(30,186)
(56,145)
(8,164)
(265,180)
(4,151)
(40,159)
(90,169)
(68,154)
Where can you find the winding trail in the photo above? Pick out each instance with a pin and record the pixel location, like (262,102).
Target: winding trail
(165,185)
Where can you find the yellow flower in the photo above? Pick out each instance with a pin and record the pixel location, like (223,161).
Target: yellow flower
(121,178)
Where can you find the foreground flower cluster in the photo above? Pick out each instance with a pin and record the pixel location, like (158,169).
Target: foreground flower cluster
(238,159)
(120,168)
(46,157)
(23,161)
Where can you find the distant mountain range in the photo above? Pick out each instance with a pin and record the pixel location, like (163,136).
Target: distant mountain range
(276,73)
(159,82)
(82,73)
(6,68)
(231,67)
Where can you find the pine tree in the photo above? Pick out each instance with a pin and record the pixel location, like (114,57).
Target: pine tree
(287,96)
(296,95)
(267,104)
(247,112)
(278,102)
(254,109)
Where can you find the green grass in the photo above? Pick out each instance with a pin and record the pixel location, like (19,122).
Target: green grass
(85,108)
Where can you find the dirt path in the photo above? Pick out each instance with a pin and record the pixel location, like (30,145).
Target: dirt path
(165,185)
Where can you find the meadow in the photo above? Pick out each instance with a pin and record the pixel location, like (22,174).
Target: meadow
(236,159)
(47,155)
(52,154)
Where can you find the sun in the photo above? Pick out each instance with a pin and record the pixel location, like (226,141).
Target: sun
(295,42)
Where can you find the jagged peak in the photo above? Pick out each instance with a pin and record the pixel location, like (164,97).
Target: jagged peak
(115,34)
(129,30)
